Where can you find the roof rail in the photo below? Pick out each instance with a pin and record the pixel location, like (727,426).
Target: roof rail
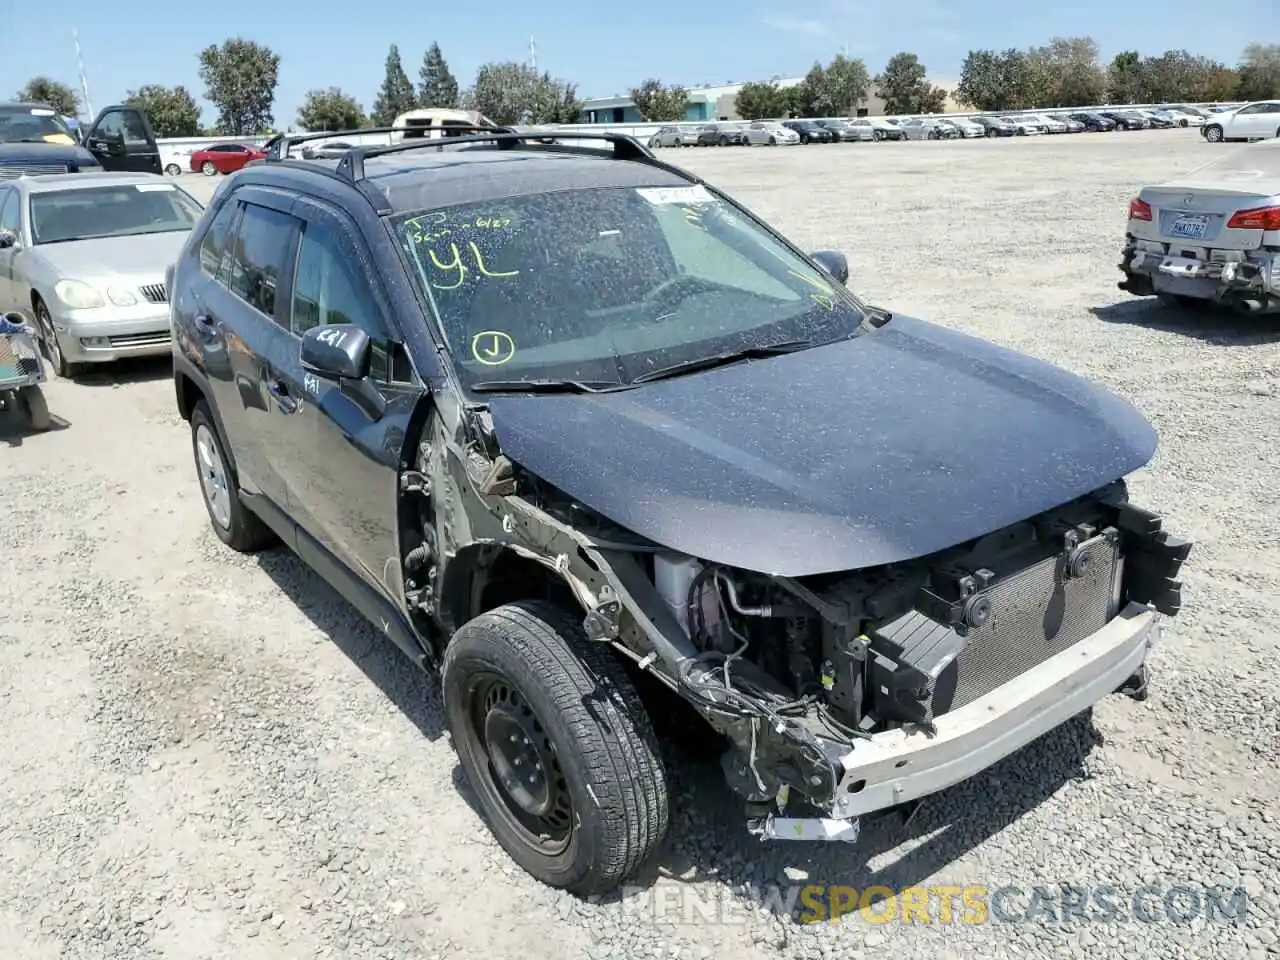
(278,147)
(625,146)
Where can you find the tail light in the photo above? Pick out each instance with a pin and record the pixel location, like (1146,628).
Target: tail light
(1139,209)
(1259,218)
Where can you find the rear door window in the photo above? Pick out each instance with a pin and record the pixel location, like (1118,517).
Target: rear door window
(258,256)
(214,245)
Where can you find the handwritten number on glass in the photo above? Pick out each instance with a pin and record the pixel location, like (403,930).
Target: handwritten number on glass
(452,260)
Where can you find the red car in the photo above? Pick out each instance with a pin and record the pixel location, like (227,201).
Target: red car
(224,158)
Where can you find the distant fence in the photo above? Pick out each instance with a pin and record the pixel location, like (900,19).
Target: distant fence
(643,131)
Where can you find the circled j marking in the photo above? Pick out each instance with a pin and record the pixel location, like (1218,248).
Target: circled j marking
(493,348)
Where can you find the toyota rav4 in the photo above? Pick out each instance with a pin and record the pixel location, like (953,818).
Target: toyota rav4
(556,418)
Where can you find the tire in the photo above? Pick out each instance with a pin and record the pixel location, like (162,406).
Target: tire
(724,141)
(992,132)
(208,169)
(234,523)
(173,170)
(1182,123)
(877,135)
(526,671)
(933,134)
(35,408)
(773,141)
(52,348)
(1213,133)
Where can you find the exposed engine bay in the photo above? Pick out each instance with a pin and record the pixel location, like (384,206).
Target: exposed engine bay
(795,672)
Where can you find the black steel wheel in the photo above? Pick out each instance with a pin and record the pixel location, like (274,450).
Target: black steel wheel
(557,746)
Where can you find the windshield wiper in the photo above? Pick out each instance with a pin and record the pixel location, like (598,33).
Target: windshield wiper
(546,385)
(757,351)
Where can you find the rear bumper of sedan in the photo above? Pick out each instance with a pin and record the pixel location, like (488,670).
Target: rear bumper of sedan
(1248,281)
(113,333)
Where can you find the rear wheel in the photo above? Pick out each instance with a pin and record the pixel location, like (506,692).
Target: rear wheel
(236,526)
(555,742)
(1213,133)
(173,170)
(773,141)
(208,169)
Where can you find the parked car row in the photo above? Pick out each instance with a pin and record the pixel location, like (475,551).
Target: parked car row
(726,133)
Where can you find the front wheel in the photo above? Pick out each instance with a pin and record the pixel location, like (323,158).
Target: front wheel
(52,346)
(773,141)
(555,743)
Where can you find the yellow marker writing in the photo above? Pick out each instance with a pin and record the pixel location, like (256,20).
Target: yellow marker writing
(493,348)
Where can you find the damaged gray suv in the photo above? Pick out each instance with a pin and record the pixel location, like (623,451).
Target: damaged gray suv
(565,422)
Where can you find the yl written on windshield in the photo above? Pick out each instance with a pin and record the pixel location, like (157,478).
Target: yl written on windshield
(610,283)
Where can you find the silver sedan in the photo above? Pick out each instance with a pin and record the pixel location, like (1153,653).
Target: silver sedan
(83,257)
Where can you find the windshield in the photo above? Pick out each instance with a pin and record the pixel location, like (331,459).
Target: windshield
(607,284)
(115,211)
(34,125)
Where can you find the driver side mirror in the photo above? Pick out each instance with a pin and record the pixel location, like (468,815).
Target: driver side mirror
(8,239)
(338,351)
(834,262)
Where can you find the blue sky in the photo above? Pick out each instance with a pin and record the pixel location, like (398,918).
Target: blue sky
(605,48)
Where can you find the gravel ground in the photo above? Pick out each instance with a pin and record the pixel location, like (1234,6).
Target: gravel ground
(212,756)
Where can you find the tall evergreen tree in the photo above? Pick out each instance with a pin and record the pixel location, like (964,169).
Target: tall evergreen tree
(397,95)
(437,87)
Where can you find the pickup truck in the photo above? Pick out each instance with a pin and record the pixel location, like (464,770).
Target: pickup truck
(35,140)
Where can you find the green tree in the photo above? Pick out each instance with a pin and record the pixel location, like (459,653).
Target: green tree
(173,110)
(904,88)
(397,94)
(760,101)
(982,84)
(1220,83)
(1124,78)
(1174,75)
(437,87)
(330,109)
(657,103)
(1067,73)
(52,93)
(240,79)
(1260,72)
(509,92)
(847,84)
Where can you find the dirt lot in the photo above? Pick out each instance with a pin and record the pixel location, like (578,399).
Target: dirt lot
(209,756)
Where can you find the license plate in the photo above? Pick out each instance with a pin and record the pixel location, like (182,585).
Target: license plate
(1192,228)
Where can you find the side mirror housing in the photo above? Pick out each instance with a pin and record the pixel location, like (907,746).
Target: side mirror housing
(8,239)
(834,262)
(338,351)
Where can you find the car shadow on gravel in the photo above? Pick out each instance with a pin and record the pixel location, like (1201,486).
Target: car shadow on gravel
(123,372)
(14,431)
(1209,323)
(414,693)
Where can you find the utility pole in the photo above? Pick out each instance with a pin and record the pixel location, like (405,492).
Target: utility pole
(84,80)
(533,54)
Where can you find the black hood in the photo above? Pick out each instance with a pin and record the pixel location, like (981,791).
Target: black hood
(19,154)
(893,445)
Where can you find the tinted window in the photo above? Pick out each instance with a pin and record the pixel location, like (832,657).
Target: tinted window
(325,287)
(129,209)
(214,244)
(124,124)
(258,256)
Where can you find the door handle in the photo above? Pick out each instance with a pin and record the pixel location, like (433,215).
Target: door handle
(279,391)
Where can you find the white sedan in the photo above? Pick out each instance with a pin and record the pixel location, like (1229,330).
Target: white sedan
(1253,121)
(1210,235)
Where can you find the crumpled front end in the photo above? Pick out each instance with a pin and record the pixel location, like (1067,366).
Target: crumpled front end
(1244,280)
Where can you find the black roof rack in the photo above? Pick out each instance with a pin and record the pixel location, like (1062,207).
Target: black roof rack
(625,147)
(278,146)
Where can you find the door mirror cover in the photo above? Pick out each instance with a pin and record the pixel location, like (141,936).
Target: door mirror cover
(337,351)
(833,262)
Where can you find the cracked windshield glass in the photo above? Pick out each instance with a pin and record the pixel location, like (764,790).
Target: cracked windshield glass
(608,284)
